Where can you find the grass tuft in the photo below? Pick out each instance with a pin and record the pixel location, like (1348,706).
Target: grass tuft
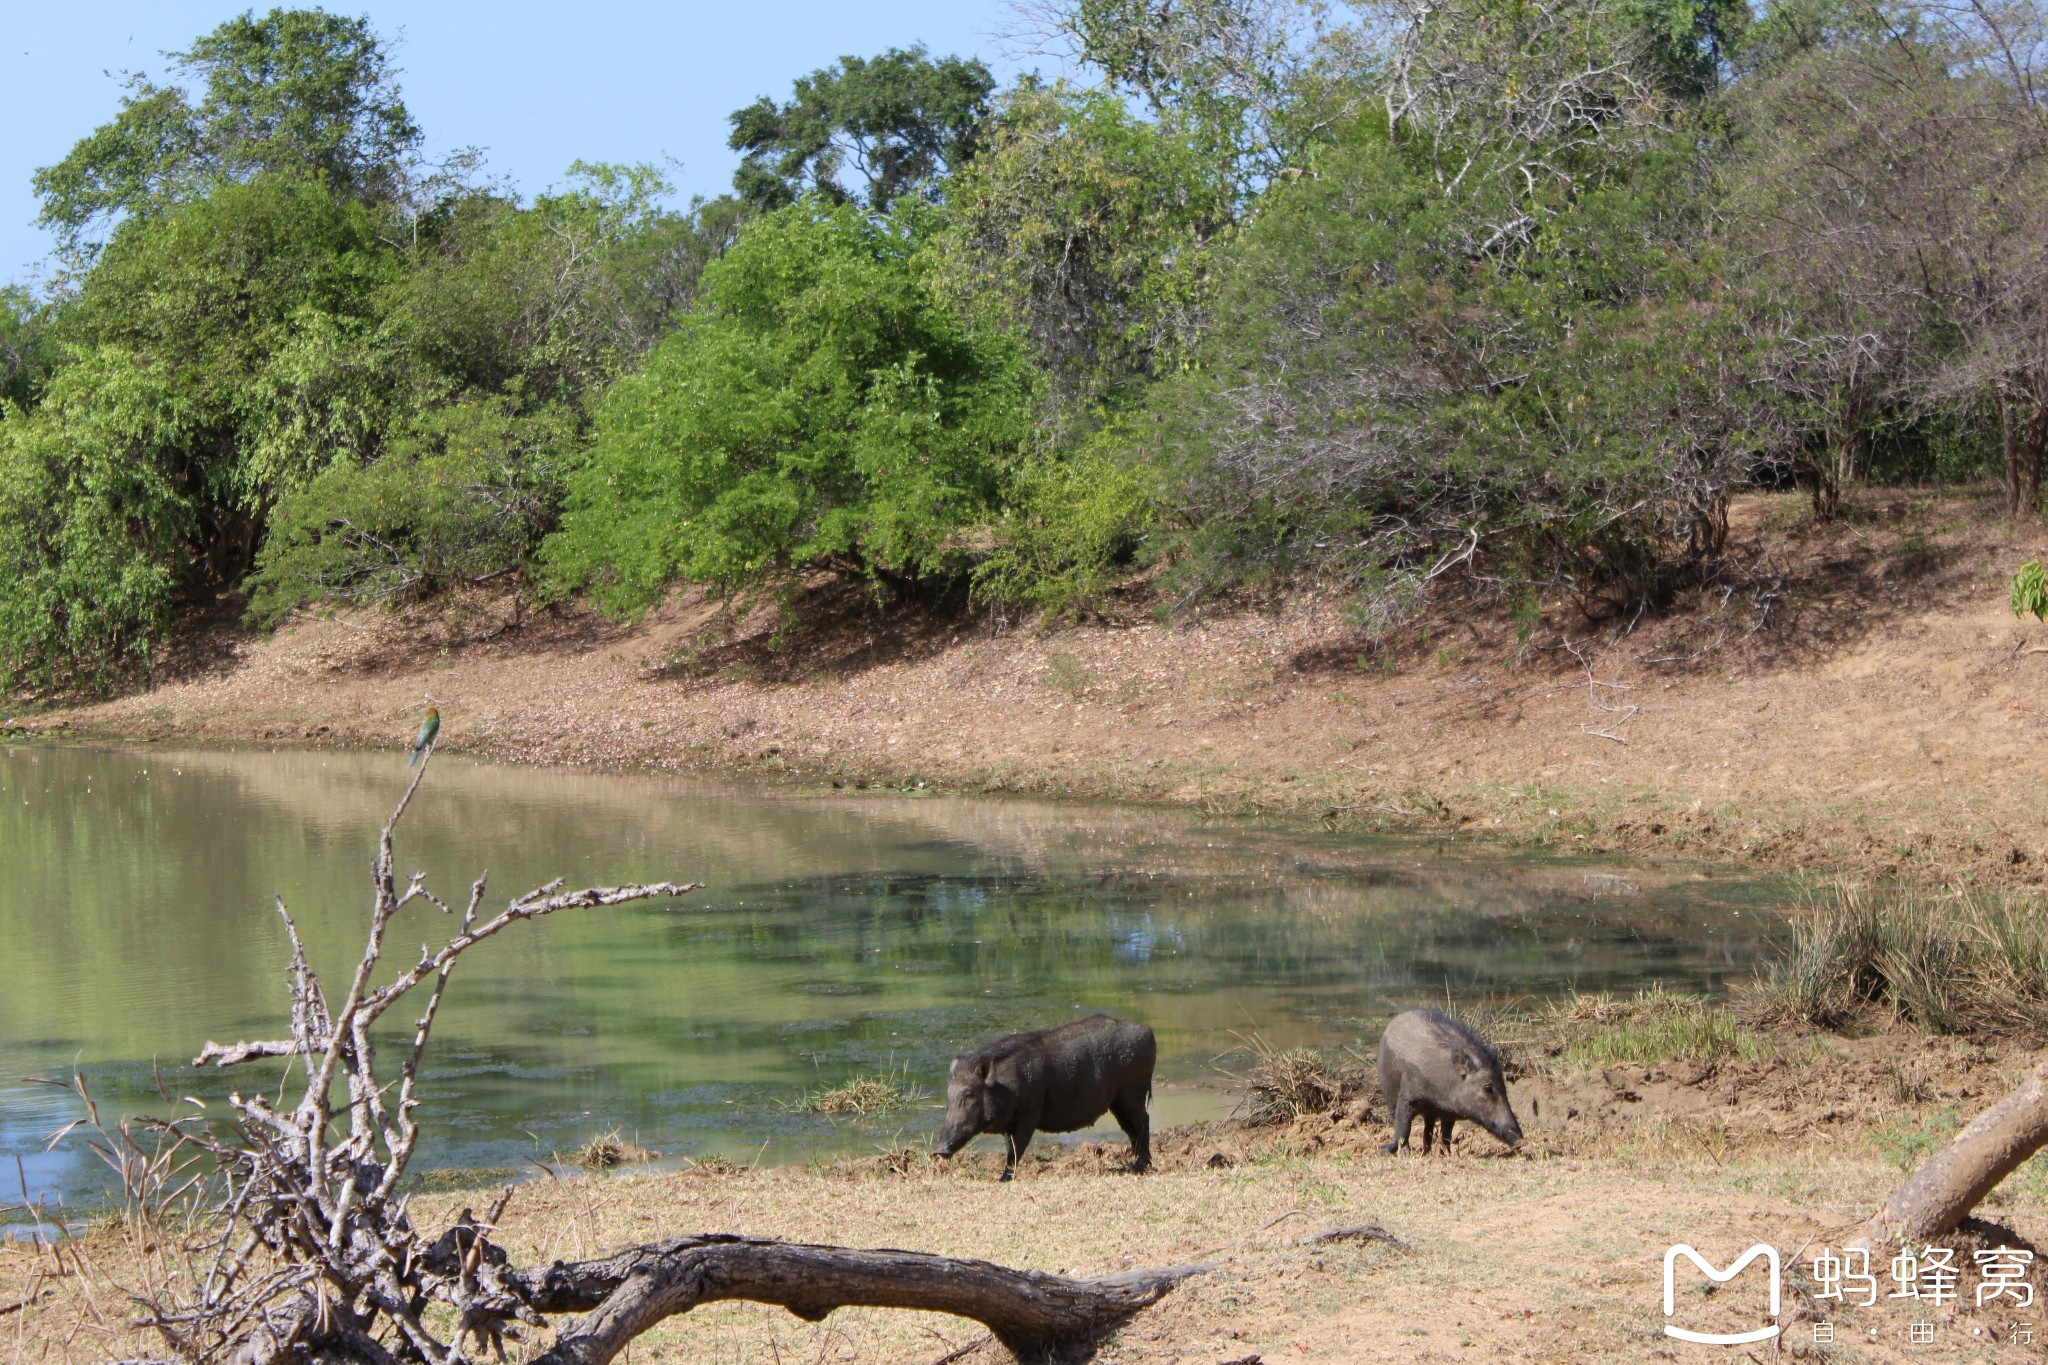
(1655,1025)
(863,1096)
(1944,964)
(609,1149)
(1283,1084)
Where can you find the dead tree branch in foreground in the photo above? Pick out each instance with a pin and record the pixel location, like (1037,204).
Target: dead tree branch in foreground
(309,1252)
(1029,1312)
(1991,1147)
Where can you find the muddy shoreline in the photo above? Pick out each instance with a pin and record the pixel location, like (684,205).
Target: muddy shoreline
(1877,717)
(1545,1258)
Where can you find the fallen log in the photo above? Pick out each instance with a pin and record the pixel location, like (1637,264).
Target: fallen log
(1940,1195)
(1031,1313)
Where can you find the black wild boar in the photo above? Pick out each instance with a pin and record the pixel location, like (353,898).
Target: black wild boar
(1432,1065)
(1055,1080)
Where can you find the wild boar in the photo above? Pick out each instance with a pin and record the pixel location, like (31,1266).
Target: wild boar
(1432,1065)
(1055,1080)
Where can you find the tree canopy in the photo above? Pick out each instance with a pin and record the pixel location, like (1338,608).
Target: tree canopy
(899,122)
(1511,295)
(821,408)
(296,91)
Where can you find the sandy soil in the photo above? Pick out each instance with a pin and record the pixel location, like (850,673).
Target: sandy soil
(1865,702)
(1551,1257)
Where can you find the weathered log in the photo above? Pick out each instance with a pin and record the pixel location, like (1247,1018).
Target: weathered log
(1031,1313)
(1941,1194)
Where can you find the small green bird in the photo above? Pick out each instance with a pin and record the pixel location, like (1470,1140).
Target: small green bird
(429,727)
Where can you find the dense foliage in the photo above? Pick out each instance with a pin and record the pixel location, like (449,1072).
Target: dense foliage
(819,408)
(1511,295)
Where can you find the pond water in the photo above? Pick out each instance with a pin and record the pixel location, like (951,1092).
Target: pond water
(840,932)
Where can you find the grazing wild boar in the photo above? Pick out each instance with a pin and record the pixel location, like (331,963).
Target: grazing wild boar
(1432,1065)
(1055,1080)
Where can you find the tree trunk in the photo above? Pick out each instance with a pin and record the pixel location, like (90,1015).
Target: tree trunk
(1827,489)
(1941,1194)
(1029,1312)
(2009,435)
(2032,446)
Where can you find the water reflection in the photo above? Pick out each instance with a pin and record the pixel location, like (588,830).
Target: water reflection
(840,932)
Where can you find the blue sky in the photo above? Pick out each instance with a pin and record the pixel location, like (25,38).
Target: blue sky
(536,85)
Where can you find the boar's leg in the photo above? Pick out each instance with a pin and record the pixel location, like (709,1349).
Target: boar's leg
(1404,1122)
(1020,1138)
(1443,1131)
(1129,1109)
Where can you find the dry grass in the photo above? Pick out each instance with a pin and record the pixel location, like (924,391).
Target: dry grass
(607,1150)
(1968,964)
(1285,1084)
(1541,1262)
(864,1096)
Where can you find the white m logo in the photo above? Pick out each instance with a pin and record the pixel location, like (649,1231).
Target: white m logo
(1768,1252)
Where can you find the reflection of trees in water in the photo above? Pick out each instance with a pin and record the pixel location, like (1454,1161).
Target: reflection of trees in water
(840,932)
(1392,933)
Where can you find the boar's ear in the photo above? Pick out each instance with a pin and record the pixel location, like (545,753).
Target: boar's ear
(987,1067)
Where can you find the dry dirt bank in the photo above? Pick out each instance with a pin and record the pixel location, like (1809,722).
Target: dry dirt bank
(1865,702)
(1550,1258)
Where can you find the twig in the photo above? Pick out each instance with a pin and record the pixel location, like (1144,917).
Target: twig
(963,1352)
(1281,1218)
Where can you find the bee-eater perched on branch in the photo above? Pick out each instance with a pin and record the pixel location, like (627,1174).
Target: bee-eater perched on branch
(429,727)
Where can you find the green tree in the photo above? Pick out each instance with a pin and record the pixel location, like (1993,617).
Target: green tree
(463,495)
(558,295)
(900,121)
(1378,397)
(214,356)
(1258,83)
(1070,525)
(298,91)
(1085,230)
(27,349)
(228,339)
(89,544)
(822,409)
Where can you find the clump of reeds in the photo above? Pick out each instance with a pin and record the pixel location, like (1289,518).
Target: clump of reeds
(863,1096)
(1654,1025)
(1943,963)
(1283,1084)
